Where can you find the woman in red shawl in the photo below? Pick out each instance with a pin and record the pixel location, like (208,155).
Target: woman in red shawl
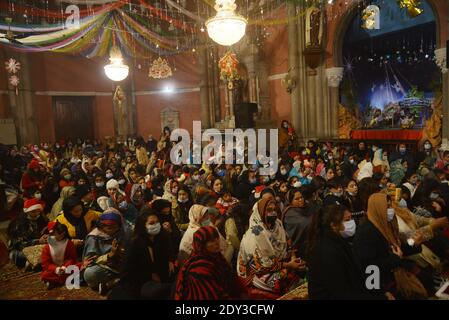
(206,275)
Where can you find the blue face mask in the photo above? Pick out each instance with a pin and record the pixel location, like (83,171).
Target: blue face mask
(206,222)
(123,205)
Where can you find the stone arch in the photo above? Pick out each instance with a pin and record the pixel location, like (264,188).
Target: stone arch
(341,27)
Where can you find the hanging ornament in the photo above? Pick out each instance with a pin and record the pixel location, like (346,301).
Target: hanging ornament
(14,81)
(412,7)
(371,18)
(160,69)
(12,65)
(228,69)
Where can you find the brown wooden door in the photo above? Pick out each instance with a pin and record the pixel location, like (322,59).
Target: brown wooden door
(73,118)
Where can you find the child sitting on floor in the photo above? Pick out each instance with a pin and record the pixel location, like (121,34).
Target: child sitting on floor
(225,203)
(58,254)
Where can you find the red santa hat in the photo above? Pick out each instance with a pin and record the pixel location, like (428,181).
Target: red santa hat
(258,190)
(34,164)
(33,204)
(51,225)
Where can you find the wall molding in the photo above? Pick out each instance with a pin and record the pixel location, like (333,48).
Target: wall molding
(277,76)
(108,94)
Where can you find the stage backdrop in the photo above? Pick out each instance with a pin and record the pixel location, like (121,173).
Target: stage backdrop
(390,77)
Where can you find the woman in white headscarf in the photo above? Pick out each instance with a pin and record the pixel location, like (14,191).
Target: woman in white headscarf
(380,162)
(263,260)
(199,217)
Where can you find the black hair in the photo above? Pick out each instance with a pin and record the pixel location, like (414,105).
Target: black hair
(81,191)
(335,183)
(69,203)
(378,176)
(140,228)
(160,204)
(367,187)
(322,221)
(291,194)
(61,229)
(268,190)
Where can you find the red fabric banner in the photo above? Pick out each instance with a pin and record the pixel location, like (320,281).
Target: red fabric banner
(387,134)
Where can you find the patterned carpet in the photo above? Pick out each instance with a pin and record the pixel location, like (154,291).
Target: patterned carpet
(18,285)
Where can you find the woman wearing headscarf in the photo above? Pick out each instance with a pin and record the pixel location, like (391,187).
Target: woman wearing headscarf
(136,196)
(380,161)
(170,190)
(206,275)
(377,243)
(105,246)
(78,220)
(263,252)
(296,220)
(57,206)
(65,178)
(199,217)
(163,208)
(181,208)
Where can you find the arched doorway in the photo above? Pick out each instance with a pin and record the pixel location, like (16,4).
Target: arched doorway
(389,75)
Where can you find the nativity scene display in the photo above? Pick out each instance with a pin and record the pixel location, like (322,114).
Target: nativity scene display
(391,78)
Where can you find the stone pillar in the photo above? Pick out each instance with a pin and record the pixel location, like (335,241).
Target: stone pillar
(334,77)
(304,115)
(204,89)
(216,85)
(441,59)
(293,66)
(22,106)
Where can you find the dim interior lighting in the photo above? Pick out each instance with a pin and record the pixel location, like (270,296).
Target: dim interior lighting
(116,70)
(227,27)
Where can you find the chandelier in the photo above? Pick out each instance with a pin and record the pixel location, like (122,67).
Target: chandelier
(227,27)
(116,70)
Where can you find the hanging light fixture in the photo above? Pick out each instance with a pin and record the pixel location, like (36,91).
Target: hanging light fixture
(227,27)
(116,70)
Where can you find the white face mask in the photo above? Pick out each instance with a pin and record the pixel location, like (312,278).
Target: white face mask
(351,161)
(38,196)
(206,222)
(427,146)
(352,193)
(338,194)
(99,184)
(183,200)
(283,172)
(403,203)
(390,214)
(154,229)
(297,184)
(387,174)
(350,228)
(143,186)
(109,175)
(434,196)
(121,181)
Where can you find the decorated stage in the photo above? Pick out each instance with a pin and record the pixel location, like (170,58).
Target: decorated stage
(412,135)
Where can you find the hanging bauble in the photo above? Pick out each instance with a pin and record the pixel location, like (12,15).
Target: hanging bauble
(12,65)
(14,81)
(371,18)
(228,68)
(160,69)
(412,7)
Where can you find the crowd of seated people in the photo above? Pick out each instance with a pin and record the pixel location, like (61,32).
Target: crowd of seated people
(140,227)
